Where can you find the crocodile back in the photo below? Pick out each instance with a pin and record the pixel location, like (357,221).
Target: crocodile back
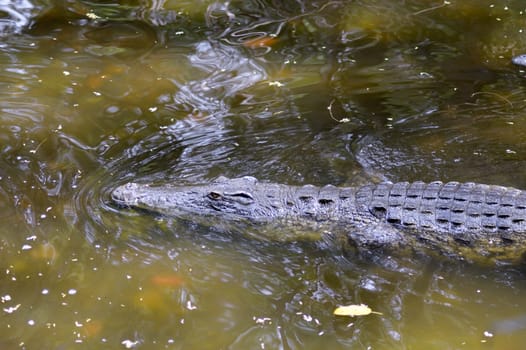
(447,207)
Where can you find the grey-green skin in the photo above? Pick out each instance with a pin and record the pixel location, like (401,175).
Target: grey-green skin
(465,219)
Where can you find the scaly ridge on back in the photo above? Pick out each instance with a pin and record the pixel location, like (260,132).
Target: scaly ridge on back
(451,207)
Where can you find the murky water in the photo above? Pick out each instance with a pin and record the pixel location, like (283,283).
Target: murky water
(96,94)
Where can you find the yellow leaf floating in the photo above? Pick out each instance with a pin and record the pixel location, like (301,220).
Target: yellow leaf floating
(354,310)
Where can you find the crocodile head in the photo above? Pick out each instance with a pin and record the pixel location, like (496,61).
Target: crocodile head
(230,198)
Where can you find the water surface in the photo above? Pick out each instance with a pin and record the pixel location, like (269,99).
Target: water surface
(97,94)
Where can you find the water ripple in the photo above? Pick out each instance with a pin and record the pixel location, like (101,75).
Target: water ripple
(228,73)
(15,15)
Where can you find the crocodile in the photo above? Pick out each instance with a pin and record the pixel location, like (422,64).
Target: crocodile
(462,219)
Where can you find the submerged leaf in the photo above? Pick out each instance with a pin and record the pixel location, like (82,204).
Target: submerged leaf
(167,280)
(99,50)
(354,310)
(265,41)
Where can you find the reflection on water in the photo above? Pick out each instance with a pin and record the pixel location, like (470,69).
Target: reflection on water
(97,94)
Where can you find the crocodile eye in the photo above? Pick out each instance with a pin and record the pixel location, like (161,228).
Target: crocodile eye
(214,195)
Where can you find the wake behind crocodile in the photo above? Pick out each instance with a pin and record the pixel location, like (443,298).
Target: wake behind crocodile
(467,220)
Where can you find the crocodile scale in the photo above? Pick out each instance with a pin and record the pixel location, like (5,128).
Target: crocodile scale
(447,207)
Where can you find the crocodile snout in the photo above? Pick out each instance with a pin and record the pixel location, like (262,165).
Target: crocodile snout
(126,195)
